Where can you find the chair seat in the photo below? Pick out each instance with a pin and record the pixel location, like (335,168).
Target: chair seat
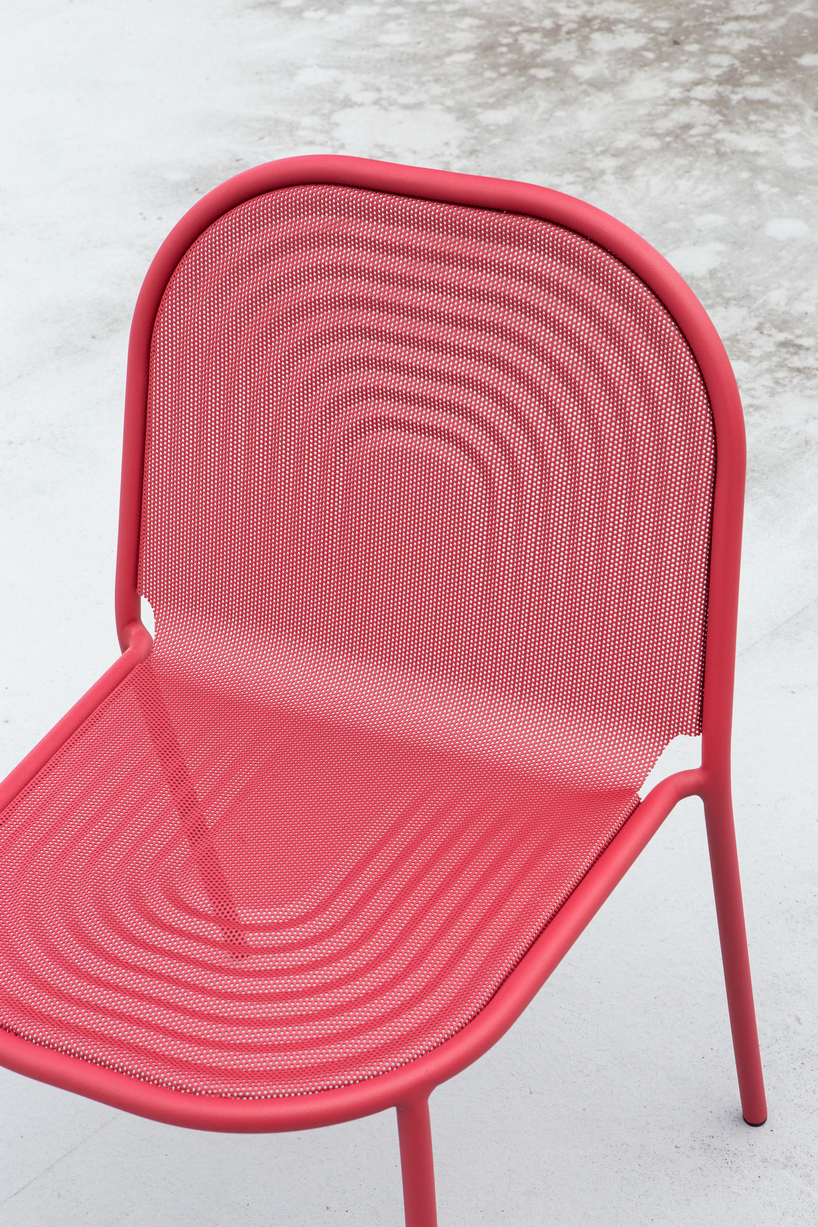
(271,889)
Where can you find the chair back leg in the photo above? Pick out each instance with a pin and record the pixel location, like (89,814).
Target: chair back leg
(417,1164)
(721,838)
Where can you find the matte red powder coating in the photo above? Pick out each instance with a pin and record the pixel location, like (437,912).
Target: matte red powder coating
(434,485)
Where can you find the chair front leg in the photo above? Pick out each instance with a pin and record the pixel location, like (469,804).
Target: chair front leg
(417,1163)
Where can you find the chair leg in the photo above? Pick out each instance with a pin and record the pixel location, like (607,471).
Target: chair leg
(721,838)
(417,1164)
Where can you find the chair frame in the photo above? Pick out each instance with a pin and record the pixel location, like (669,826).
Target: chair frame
(408,1088)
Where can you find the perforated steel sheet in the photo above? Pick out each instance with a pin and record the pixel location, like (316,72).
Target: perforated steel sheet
(426,520)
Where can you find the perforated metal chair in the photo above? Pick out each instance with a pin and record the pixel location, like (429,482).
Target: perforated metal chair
(434,485)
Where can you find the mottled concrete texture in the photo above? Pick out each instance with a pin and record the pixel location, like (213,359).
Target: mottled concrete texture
(613,1101)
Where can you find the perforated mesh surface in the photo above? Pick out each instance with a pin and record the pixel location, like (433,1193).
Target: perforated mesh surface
(426,520)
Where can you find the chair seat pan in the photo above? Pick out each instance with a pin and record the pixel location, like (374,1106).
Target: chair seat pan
(255,894)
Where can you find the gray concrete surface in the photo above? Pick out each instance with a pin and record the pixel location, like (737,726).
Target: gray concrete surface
(613,1101)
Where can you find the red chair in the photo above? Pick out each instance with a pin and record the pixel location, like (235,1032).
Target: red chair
(434,484)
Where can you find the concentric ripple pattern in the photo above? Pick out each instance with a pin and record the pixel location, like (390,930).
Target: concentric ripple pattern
(425,530)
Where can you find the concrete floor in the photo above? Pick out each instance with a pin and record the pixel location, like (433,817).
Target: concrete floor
(613,1101)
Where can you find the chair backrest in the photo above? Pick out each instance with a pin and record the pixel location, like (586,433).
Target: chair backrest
(454,443)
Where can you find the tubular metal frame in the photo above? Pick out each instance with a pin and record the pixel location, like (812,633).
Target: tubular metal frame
(408,1088)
